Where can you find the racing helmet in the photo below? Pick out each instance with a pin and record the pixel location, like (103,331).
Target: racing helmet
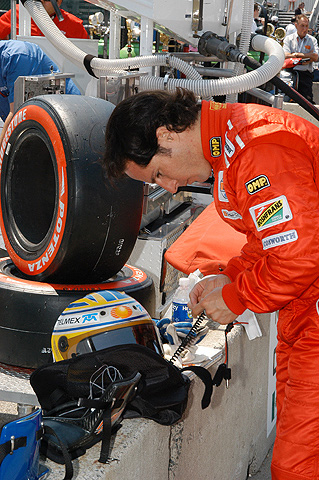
(100,320)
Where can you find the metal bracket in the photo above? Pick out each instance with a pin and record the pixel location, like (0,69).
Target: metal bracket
(197,15)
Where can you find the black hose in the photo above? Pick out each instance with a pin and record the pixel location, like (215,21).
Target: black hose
(211,44)
(291,92)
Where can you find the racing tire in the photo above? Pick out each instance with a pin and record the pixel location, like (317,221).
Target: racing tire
(29,310)
(62,220)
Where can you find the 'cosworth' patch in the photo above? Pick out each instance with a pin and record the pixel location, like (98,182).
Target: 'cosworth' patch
(215,144)
(257,184)
(280,239)
(270,213)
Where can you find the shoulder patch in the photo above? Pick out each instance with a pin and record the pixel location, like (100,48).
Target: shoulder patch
(270,213)
(222,197)
(231,214)
(256,184)
(216,105)
(215,144)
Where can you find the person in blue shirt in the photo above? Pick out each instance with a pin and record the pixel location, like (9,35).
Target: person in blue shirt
(19,58)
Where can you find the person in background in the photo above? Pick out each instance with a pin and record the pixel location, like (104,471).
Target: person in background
(18,59)
(275,21)
(291,27)
(265,162)
(291,5)
(257,20)
(301,9)
(304,46)
(71,26)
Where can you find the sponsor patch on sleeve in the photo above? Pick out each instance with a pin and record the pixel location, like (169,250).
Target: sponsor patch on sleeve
(216,105)
(222,197)
(279,239)
(270,213)
(256,184)
(215,144)
(231,214)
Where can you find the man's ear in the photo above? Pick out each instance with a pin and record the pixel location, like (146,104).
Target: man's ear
(162,133)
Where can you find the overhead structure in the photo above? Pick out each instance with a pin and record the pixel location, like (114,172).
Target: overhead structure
(182,19)
(101,67)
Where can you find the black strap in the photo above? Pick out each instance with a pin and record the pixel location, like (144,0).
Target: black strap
(222,373)
(10,446)
(94,403)
(106,436)
(87,63)
(206,378)
(65,453)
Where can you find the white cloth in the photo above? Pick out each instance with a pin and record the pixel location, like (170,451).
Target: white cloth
(291,28)
(253,27)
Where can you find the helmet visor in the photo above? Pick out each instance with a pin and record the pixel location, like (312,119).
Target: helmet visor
(143,334)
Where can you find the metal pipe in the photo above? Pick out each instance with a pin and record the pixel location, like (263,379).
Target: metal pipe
(13,20)
(196,57)
(230,11)
(262,95)
(115,35)
(215,72)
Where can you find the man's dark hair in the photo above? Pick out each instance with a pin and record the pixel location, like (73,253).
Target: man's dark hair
(131,129)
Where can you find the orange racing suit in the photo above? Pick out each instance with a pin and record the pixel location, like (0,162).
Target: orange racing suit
(265,163)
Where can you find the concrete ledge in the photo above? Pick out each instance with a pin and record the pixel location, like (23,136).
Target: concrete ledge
(301,112)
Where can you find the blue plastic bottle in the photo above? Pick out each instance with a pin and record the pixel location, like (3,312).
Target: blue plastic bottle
(180,310)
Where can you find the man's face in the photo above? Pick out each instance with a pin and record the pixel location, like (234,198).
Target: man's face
(302,27)
(185,165)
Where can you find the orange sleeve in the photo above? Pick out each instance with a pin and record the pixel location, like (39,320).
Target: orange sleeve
(5,25)
(281,259)
(207,244)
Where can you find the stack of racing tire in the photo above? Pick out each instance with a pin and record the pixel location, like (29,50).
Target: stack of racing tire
(67,229)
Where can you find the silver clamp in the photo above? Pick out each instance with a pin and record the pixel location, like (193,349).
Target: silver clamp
(12,439)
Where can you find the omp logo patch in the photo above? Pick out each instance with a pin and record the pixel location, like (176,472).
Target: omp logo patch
(222,197)
(215,144)
(257,184)
(280,239)
(270,213)
(231,214)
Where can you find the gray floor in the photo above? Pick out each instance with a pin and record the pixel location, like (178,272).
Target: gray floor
(264,472)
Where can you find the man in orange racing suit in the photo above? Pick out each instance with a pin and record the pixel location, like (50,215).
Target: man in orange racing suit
(265,163)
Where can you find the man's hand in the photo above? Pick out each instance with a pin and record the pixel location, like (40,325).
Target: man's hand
(207,295)
(206,285)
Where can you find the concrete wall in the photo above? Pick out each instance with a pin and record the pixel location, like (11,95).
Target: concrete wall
(222,442)
(301,112)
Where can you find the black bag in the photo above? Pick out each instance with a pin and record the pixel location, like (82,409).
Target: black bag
(81,411)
